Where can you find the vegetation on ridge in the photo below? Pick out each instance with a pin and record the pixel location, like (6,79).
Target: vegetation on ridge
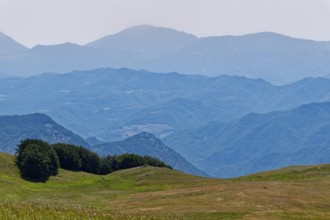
(37,160)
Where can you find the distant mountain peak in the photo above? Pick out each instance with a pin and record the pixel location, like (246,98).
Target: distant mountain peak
(9,46)
(152,28)
(142,27)
(148,40)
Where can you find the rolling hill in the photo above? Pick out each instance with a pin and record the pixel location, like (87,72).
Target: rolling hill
(157,193)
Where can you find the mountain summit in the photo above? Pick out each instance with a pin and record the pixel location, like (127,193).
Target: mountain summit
(148,40)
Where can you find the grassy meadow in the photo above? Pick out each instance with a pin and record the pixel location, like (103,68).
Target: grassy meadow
(292,193)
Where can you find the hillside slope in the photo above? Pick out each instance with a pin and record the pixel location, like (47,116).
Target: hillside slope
(9,46)
(259,142)
(157,193)
(15,128)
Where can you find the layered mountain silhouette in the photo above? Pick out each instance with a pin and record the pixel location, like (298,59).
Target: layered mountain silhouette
(147,144)
(219,122)
(274,57)
(113,104)
(259,142)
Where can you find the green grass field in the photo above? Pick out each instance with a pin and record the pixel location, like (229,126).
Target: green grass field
(158,193)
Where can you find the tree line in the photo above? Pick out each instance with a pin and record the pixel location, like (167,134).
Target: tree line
(37,160)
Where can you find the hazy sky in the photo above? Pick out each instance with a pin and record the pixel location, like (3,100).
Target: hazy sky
(34,22)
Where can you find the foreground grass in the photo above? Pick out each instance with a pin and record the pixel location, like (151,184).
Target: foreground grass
(157,193)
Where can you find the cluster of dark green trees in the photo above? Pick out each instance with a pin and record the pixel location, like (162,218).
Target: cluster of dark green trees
(38,160)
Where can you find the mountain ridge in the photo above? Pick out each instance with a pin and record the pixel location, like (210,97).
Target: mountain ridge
(274,57)
(15,128)
(148,40)
(112,104)
(259,142)
(147,144)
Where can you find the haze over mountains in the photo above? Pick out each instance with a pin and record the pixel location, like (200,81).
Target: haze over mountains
(114,104)
(224,124)
(276,58)
(220,124)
